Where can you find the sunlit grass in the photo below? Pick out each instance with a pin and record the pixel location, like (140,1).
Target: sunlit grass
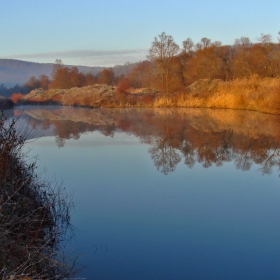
(252,93)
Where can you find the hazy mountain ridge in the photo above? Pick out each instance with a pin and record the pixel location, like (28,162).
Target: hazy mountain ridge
(14,71)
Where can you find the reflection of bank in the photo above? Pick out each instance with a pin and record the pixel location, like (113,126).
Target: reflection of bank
(205,136)
(34,216)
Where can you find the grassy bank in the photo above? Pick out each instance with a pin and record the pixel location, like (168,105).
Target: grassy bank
(34,216)
(253,93)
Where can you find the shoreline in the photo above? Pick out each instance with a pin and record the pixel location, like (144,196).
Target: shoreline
(253,93)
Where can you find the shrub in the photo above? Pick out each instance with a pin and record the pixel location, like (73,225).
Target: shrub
(34,216)
(123,85)
(16,97)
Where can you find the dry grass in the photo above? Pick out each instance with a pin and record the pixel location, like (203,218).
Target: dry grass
(254,93)
(35,217)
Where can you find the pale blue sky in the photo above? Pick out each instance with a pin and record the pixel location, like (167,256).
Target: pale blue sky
(107,32)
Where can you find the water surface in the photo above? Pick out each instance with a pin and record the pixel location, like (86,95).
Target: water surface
(167,193)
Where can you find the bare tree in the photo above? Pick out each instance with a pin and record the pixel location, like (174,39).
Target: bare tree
(242,59)
(162,53)
(206,42)
(107,77)
(188,46)
(57,65)
(272,54)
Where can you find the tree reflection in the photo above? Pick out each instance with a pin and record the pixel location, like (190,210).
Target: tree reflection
(204,136)
(60,142)
(189,153)
(108,130)
(164,144)
(272,159)
(243,161)
(165,157)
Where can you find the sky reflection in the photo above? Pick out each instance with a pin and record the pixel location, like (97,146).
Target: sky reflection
(135,222)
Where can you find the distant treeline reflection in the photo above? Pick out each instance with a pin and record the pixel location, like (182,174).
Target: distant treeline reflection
(205,136)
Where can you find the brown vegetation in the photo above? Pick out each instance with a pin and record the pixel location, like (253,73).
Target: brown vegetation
(252,93)
(206,74)
(209,60)
(16,97)
(34,216)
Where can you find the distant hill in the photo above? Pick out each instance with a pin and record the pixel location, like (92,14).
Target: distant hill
(14,72)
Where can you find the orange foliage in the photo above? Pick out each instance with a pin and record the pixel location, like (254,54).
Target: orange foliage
(123,85)
(90,79)
(148,99)
(16,97)
(140,75)
(124,124)
(107,77)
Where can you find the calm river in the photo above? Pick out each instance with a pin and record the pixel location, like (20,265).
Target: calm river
(166,193)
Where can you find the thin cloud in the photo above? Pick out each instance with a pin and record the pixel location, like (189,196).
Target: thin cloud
(86,57)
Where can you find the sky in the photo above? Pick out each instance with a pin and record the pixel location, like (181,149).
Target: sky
(113,32)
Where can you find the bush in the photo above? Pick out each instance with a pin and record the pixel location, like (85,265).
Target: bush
(123,85)
(34,216)
(16,97)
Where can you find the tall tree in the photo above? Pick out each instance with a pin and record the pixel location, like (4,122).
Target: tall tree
(76,78)
(57,65)
(140,75)
(44,81)
(61,78)
(161,54)
(90,79)
(106,76)
(32,83)
(242,65)
(271,52)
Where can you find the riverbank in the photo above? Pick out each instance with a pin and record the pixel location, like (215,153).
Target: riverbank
(35,216)
(253,93)
(6,103)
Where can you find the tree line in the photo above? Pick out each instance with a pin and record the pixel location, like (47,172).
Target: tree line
(8,91)
(62,77)
(170,68)
(185,135)
(68,77)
